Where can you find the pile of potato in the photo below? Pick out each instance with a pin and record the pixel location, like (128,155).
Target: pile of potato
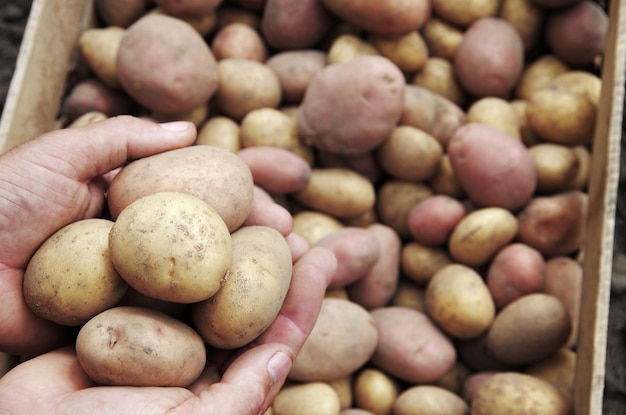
(441,150)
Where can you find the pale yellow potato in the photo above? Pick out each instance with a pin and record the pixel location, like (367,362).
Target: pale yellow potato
(311,398)
(220,131)
(480,234)
(584,168)
(464,13)
(579,82)
(538,74)
(408,51)
(394,201)
(496,112)
(559,370)
(196,115)
(70,278)
(429,400)
(517,394)
(251,296)
(437,75)
(408,294)
(99,47)
(562,117)
(528,136)
(441,37)
(409,153)
(347,47)
(314,226)
(457,298)
(343,388)
(272,127)
(455,378)
(526,17)
(445,181)
(375,391)
(88,118)
(557,166)
(420,262)
(339,192)
(171,246)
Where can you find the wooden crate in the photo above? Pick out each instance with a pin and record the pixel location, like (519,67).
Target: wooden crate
(49,53)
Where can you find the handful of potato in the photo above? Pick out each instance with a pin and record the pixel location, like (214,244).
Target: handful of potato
(440,149)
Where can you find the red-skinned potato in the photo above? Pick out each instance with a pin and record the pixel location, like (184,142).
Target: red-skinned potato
(93,95)
(494,168)
(432,220)
(350,108)
(490,58)
(239,41)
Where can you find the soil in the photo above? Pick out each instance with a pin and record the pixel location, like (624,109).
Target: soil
(13,17)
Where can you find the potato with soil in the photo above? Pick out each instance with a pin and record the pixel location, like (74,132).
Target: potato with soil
(187,75)
(67,288)
(171,246)
(490,58)
(134,346)
(410,346)
(494,168)
(251,296)
(343,339)
(215,175)
(350,108)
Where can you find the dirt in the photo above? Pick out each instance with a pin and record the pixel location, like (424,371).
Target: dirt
(13,17)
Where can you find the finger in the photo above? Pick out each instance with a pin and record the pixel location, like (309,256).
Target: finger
(311,276)
(298,246)
(268,213)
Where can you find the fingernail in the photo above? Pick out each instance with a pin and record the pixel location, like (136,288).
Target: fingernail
(279,367)
(175,126)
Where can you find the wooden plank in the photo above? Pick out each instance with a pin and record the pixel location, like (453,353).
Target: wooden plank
(603,190)
(46,54)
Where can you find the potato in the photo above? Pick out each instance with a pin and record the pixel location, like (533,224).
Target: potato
(364,164)
(408,294)
(445,181)
(409,154)
(377,286)
(204,23)
(343,339)
(355,411)
(437,75)
(99,47)
(226,186)
(313,225)
(275,169)
(579,82)
(67,288)
(517,394)
(339,192)
(464,14)
(253,293)
(496,112)
(490,58)
(349,108)
(419,263)
(172,246)
(90,95)
(244,86)
(473,383)
(554,224)
(429,400)
(408,51)
(356,249)
(432,220)
(219,131)
(238,41)
(475,355)
(481,234)
(538,74)
(410,346)
(581,180)
(291,25)
(562,117)
(343,388)
(577,34)
(310,398)
(134,346)
(120,13)
(188,74)
(394,201)
(556,165)
(455,378)
(385,18)
(240,13)
(494,168)
(564,279)
(540,319)
(458,300)
(526,17)
(87,118)
(295,69)
(558,370)
(432,113)
(347,47)
(375,391)
(527,135)
(188,7)
(441,37)
(516,270)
